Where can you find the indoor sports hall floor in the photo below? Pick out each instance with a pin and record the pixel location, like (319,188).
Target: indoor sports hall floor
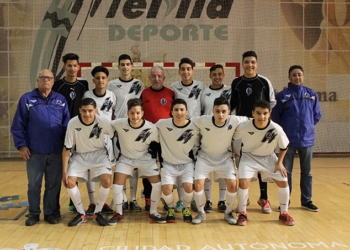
(329,228)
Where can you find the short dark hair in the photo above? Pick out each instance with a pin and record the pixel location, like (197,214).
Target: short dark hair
(99,69)
(221,101)
(178,101)
(124,57)
(88,101)
(186,60)
(261,104)
(217,66)
(70,56)
(134,102)
(249,53)
(295,67)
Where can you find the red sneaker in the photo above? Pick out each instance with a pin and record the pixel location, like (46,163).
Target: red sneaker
(265,206)
(242,219)
(115,219)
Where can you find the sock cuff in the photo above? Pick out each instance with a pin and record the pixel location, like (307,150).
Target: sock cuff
(157,185)
(117,188)
(230,194)
(198,193)
(283,189)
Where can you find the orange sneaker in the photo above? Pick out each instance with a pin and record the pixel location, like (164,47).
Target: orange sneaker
(242,219)
(286,219)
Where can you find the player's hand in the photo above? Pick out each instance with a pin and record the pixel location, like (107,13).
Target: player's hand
(24,152)
(282,169)
(65,179)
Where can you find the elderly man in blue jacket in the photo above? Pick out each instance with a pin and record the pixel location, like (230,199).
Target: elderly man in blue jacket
(38,130)
(298,111)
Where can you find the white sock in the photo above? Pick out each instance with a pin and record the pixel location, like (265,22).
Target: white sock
(222,191)
(199,198)
(230,201)
(91,191)
(283,197)
(242,199)
(118,198)
(187,199)
(74,194)
(180,189)
(169,199)
(207,190)
(124,193)
(133,185)
(101,199)
(155,196)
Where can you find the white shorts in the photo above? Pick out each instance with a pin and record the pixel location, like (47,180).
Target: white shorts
(170,172)
(250,165)
(223,170)
(146,166)
(97,162)
(110,150)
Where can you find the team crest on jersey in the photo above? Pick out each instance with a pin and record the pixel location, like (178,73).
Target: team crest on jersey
(107,104)
(144,135)
(288,95)
(226,94)
(119,86)
(33,101)
(207,129)
(269,136)
(59,102)
(209,94)
(195,92)
(307,95)
(179,89)
(186,136)
(126,130)
(163,101)
(77,129)
(96,131)
(170,129)
(229,127)
(251,133)
(136,87)
(249,91)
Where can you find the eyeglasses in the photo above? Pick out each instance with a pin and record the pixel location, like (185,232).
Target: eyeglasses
(49,78)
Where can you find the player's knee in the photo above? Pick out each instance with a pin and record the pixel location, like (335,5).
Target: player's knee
(106,183)
(198,187)
(167,190)
(232,187)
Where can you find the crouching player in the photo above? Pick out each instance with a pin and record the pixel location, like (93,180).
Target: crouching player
(135,136)
(177,137)
(260,137)
(86,132)
(216,156)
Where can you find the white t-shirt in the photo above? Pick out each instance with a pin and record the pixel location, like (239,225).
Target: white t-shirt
(209,95)
(105,103)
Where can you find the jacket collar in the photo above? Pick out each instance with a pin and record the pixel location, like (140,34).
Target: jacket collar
(295,87)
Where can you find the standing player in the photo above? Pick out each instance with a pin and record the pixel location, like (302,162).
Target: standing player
(215,90)
(85,133)
(216,157)
(105,101)
(260,137)
(125,88)
(177,137)
(73,89)
(191,91)
(247,89)
(135,135)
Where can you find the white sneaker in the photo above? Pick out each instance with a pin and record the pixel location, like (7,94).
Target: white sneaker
(230,219)
(265,206)
(199,218)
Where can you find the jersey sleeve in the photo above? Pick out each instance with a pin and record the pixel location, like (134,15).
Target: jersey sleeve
(271,95)
(196,137)
(282,140)
(276,114)
(234,97)
(108,128)
(69,139)
(238,134)
(154,135)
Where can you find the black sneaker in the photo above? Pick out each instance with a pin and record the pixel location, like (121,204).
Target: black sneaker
(309,206)
(165,206)
(91,209)
(99,219)
(32,220)
(115,219)
(106,209)
(51,219)
(170,217)
(156,218)
(222,206)
(208,206)
(186,215)
(80,218)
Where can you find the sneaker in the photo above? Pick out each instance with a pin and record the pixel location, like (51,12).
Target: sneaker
(165,206)
(72,209)
(208,207)
(52,219)
(194,206)
(221,206)
(179,206)
(115,219)
(170,217)
(286,219)
(186,215)
(242,219)
(265,206)
(135,207)
(32,220)
(156,218)
(230,219)
(91,209)
(309,206)
(148,204)
(106,209)
(80,218)
(99,219)
(125,205)
(199,218)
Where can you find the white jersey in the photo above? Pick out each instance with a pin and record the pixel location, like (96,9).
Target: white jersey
(87,138)
(105,104)
(192,94)
(261,142)
(216,141)
(134,142)
(124,91)
(209,95)
(177,142)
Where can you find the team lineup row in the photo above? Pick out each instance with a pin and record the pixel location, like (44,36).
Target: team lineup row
(157,103)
